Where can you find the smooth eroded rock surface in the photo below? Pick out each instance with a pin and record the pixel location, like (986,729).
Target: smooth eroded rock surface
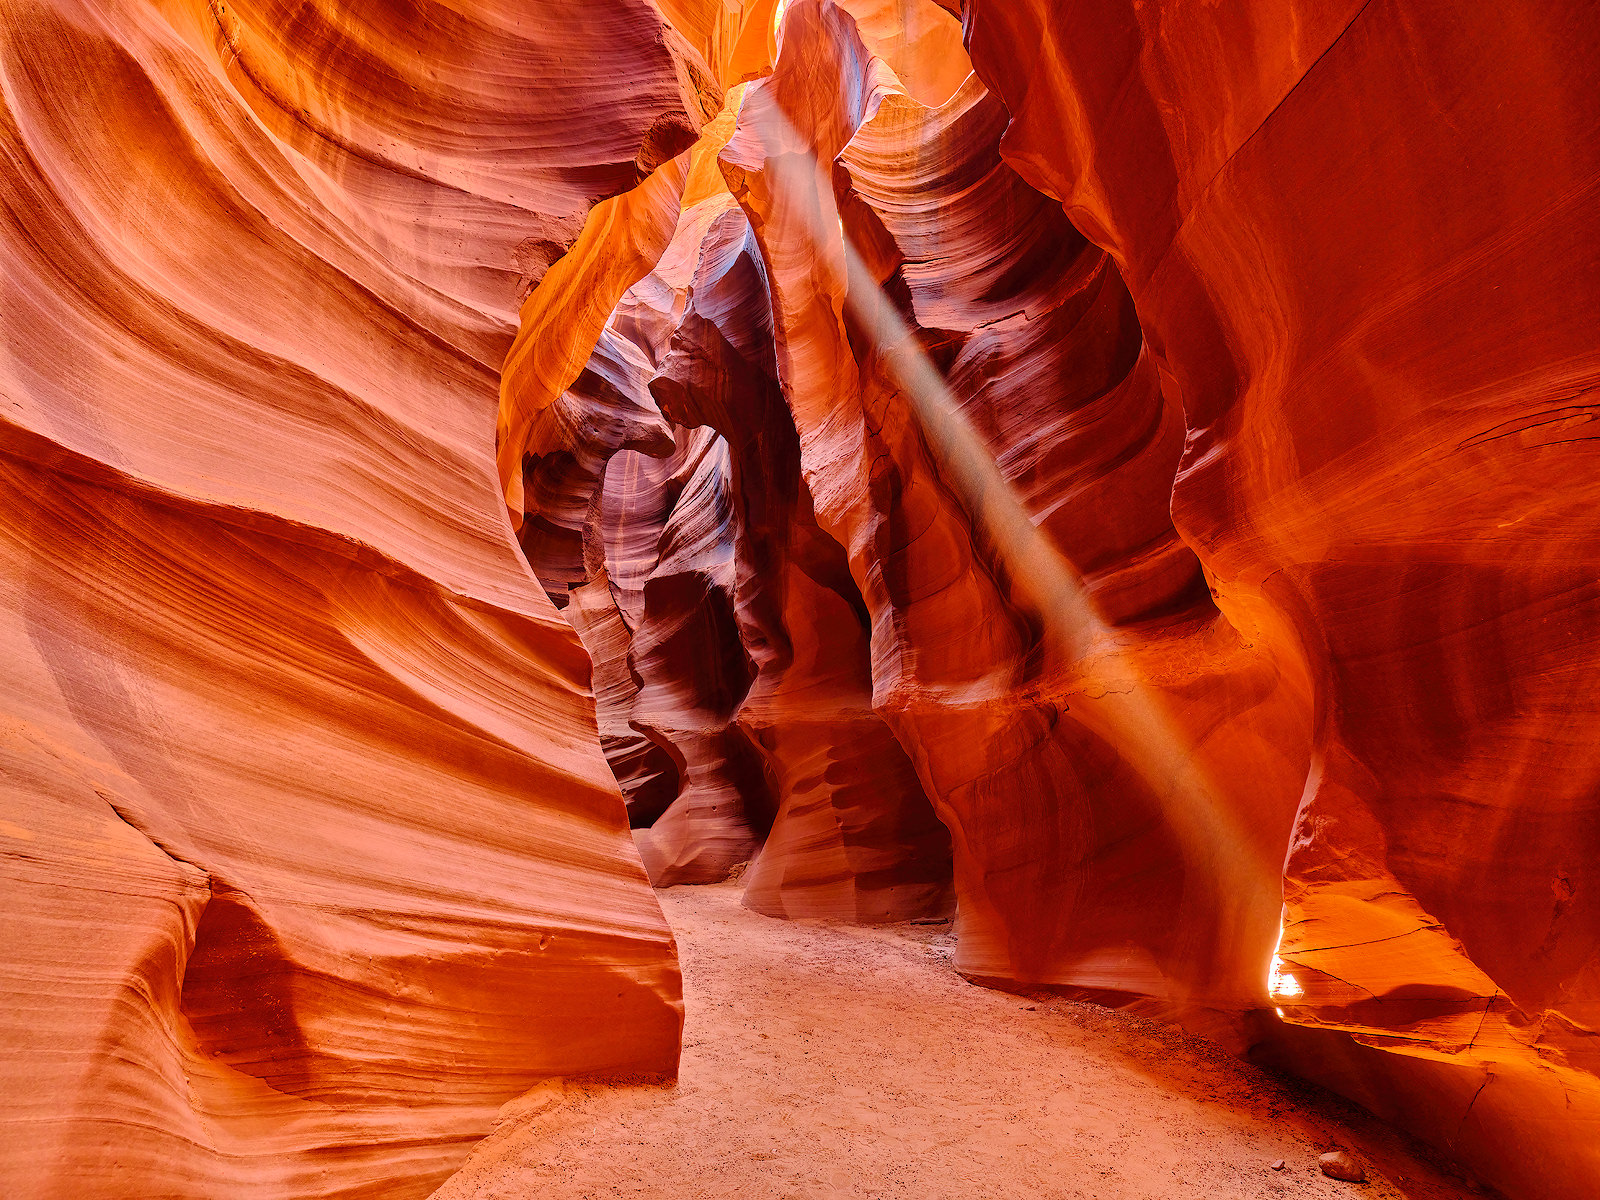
(1195,399)
(311,859)
(1125,472)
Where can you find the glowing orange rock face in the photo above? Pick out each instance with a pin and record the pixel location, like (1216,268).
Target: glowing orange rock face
(310,856)
(1142,490)
(1251,672)
(1362,237)
(694,569)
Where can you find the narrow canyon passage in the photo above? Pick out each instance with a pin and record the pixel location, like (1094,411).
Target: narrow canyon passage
(835,1060)
(478,475)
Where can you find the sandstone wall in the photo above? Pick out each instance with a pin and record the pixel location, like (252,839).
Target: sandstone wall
(1196,398)
(310,856)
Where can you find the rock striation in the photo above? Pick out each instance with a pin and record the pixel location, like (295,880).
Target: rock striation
(1338,222)
(310,856)
(683,544)
(1125,472)
(1194,402)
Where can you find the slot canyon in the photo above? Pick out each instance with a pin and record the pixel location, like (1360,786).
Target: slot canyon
(799,598)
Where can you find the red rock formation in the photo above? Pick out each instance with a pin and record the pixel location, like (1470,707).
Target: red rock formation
(692,668)
(854,835)
(1065,797)
(648,543)
(649,775)
(1397,609)
(1361,238)
(709,589)
(311,859)
(1145,485)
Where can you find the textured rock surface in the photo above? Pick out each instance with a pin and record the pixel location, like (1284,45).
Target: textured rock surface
(853,834)
(1067,780)
(310,857)
(1362,237)
(1250,673)
(1145,489)
(662,504)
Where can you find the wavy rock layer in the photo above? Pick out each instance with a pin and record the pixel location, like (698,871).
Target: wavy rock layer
(679,515)
(310,856)
(1144,490)
(1191,472)
(1361,235)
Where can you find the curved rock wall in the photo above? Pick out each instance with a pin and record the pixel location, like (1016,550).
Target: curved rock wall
(672,505)
(310,856)
(853,834)
(1361,237)
(1195,400)
(1143,489)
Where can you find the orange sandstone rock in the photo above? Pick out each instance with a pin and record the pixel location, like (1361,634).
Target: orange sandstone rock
(1224,550)
(854,836)
(1358,239)
(310,857)
(1142,487)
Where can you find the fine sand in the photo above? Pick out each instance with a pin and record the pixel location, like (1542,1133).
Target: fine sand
(834,1061)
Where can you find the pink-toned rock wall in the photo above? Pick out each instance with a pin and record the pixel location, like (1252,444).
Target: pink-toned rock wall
(310,857)
(1068,781)
(853,835)
(681,542)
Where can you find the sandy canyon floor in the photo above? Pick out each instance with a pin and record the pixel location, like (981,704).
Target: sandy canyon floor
(836,1061)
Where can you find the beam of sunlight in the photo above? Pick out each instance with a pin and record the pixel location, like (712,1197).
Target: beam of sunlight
(1218,851)
(1280,984)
